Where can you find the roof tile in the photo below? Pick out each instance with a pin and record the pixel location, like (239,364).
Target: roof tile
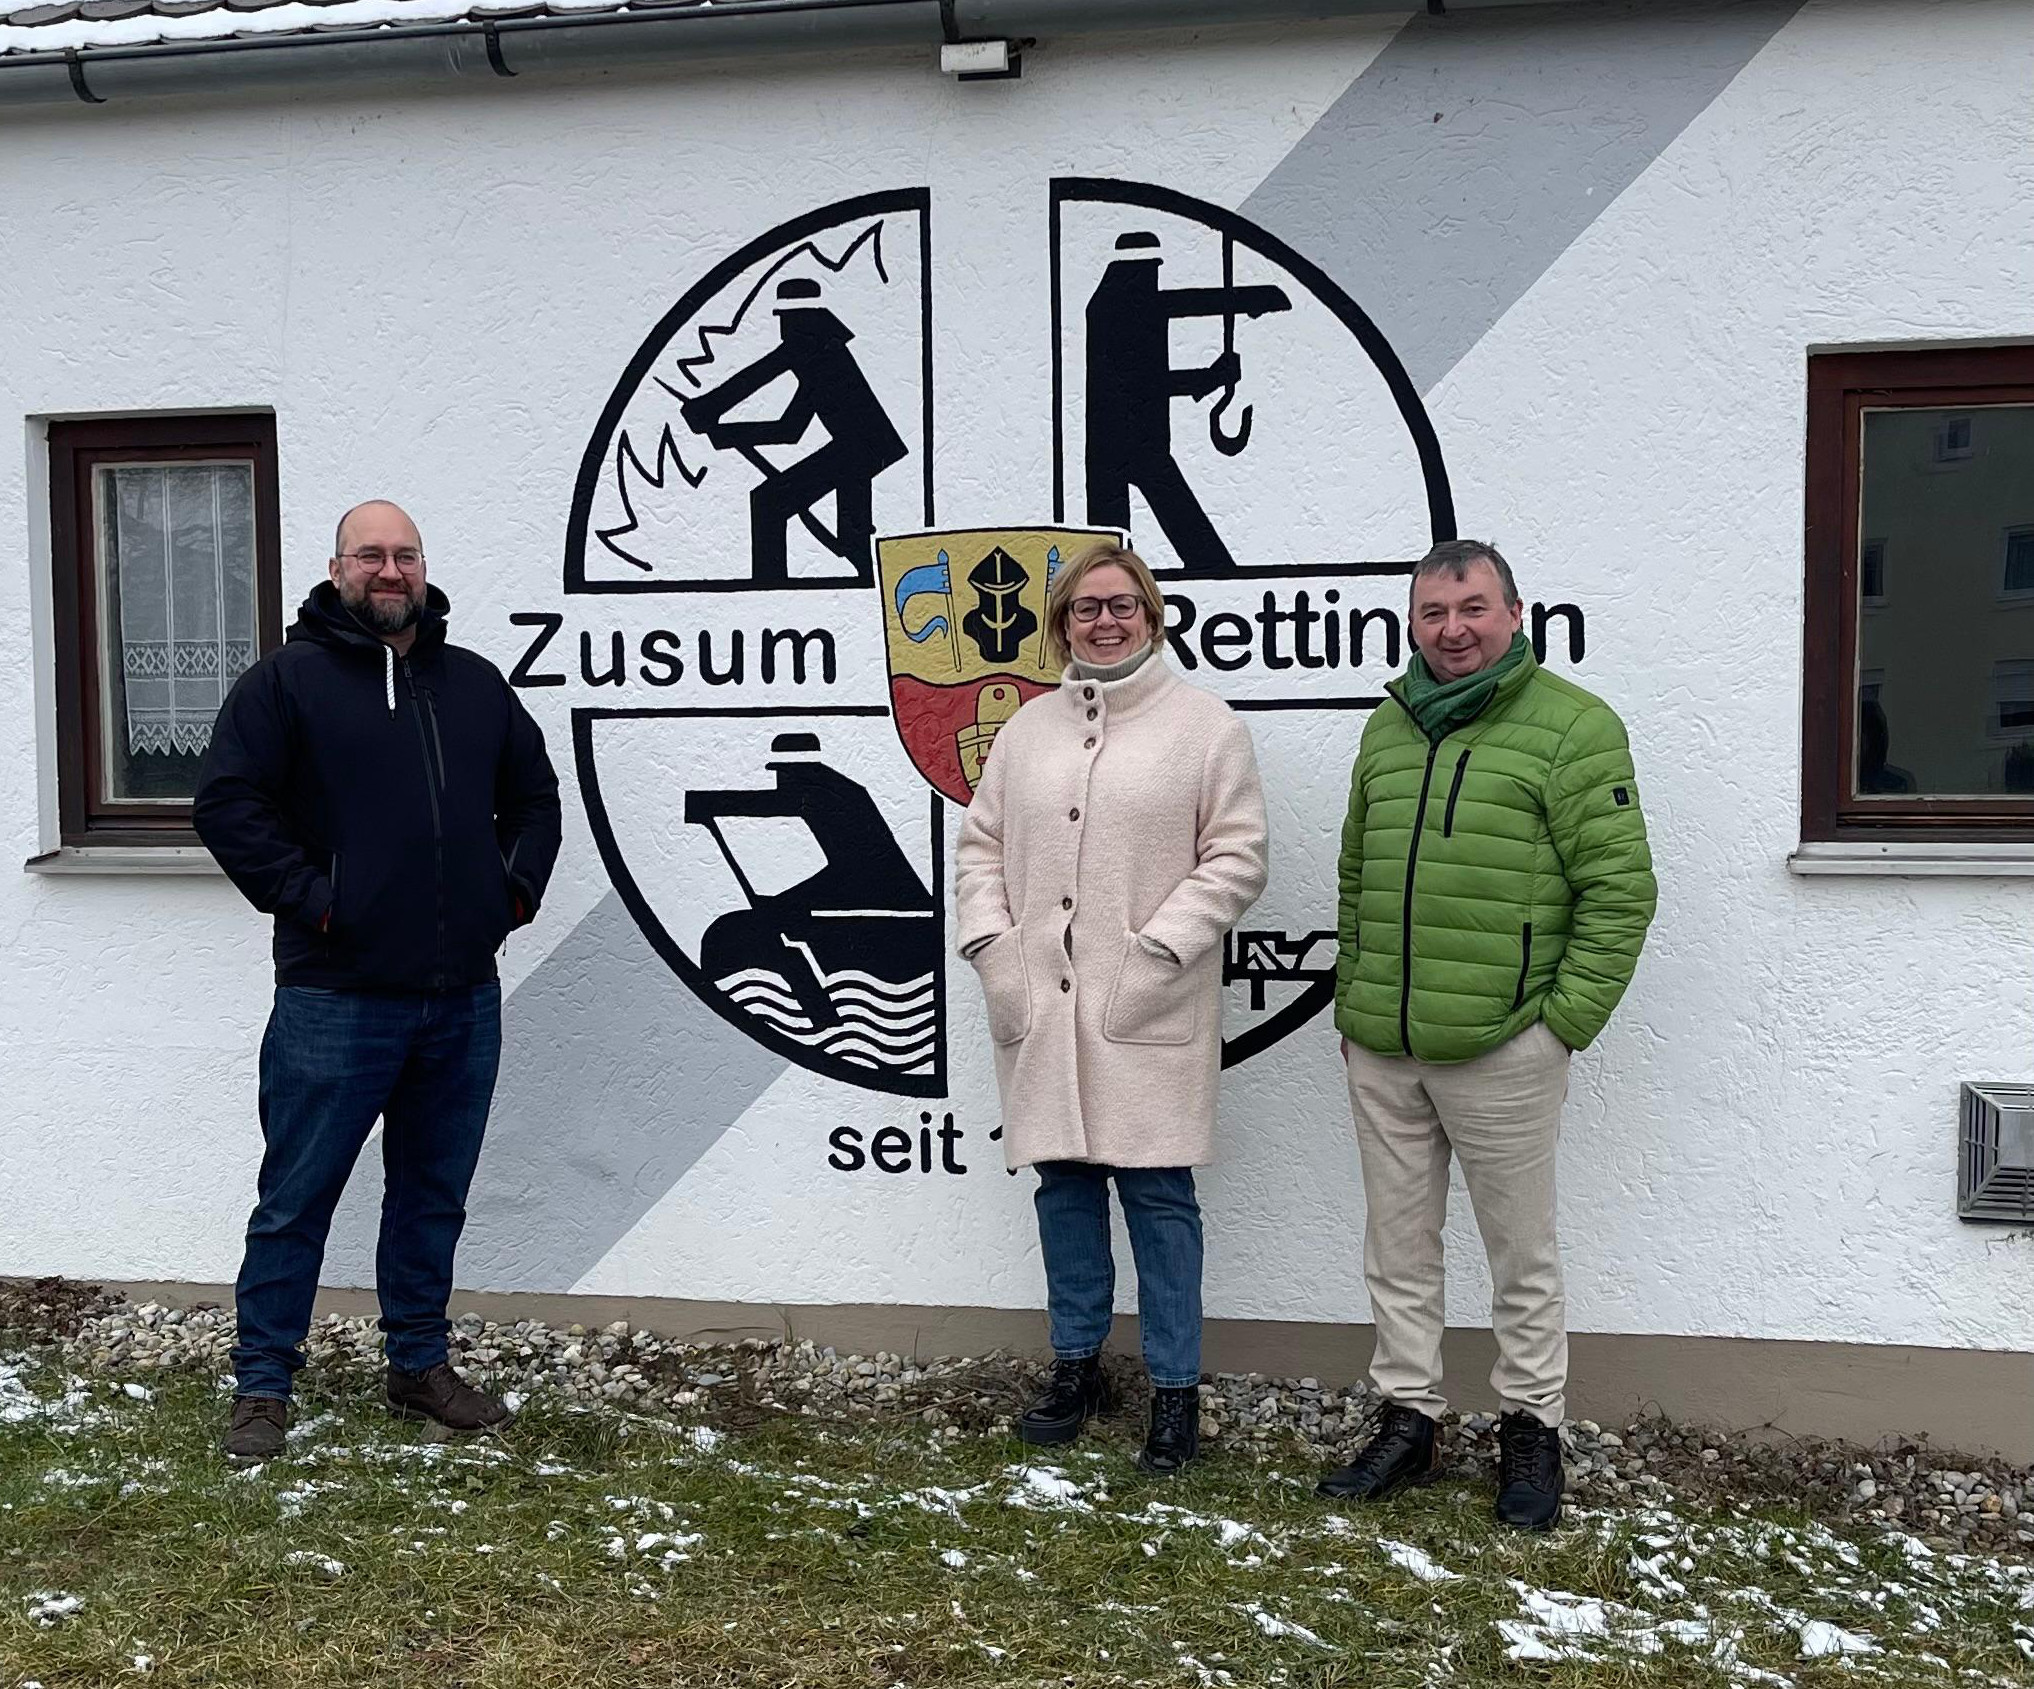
(62,12)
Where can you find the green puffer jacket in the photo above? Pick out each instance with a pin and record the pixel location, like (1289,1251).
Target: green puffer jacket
(1508,859)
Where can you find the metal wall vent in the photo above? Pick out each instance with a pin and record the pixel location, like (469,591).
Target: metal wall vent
(1995,1153)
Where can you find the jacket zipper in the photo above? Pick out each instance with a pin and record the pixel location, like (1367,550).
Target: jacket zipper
(1412,862)
(1454,792)
(431,710)
(1525,964)
(437,821)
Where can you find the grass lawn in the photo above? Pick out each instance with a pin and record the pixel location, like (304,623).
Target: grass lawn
(597,1548)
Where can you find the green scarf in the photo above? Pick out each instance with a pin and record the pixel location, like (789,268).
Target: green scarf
(1441,706)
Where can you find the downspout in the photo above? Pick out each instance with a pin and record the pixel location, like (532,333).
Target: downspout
(673,36)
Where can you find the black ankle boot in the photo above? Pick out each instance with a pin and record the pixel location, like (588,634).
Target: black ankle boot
(1175,1434)
(1076,1392)
(1529,1475)
(1404,1451)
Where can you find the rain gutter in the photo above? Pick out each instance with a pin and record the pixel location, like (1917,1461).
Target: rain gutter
(486,49)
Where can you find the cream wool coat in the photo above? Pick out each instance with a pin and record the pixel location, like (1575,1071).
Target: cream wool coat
(1113,818)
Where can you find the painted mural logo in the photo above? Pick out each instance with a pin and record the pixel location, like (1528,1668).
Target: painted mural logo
(780,648)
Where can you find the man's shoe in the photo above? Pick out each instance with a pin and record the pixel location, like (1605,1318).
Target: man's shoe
(1529,1475)
(1406,1450)
(1175,1434)
(442,1395)
(255,1431)
(1076,1392)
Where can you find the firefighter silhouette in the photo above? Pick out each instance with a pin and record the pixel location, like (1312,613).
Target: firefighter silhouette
(1131,385)
(861,441)
(999,623)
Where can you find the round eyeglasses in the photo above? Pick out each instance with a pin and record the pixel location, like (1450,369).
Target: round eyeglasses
(1122,606)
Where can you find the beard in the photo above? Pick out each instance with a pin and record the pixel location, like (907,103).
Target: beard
(384,615)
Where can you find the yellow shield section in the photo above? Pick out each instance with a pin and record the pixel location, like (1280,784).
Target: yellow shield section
(964,635)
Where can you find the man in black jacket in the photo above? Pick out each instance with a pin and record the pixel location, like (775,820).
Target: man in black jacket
(385,796)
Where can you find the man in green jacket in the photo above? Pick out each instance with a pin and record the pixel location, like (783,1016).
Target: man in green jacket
(1496,887)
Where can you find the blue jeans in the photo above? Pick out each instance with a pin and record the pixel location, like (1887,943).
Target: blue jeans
(1164,1221)
(332,1062)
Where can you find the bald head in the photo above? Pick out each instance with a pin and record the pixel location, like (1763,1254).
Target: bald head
(378,513)
(378,567)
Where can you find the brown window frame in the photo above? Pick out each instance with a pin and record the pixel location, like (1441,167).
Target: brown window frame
(1841,387)
(76,450)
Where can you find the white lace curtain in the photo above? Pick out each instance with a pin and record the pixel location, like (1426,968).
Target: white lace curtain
(178,549)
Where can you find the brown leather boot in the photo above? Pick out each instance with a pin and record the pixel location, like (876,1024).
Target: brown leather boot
(442,1396)
(255,1431)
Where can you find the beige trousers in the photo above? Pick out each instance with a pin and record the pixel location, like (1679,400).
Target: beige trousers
(1501,1115)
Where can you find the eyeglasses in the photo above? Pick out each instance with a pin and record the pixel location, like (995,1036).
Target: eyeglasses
(1123,606)
(373,558)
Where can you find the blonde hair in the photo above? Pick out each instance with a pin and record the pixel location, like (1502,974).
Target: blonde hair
(1059,600)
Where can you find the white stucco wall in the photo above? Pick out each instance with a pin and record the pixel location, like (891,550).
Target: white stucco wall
(437,292)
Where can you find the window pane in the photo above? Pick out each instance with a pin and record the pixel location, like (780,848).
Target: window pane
(1941,635)
(176,617)
(2019,561)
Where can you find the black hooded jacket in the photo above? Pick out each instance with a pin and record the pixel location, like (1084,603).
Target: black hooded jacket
(397,815)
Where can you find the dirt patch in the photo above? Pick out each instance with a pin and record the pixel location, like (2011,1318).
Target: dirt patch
(49,1310)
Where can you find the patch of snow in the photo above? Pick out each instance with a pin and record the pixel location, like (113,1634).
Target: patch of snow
(933,1499)
(290,1504)
(1228,1532)
(1413,1560)
(305,1430)
(316,1562)
(1527,1643)
(62,1478)
(660,1539)
(705,1437)
(1210,1676)
(19,1404)
(1820,1639)
(1272,1625)
(51,1608)
(138,1392)
(1564,1614)
(955,1558)
(1044,1486)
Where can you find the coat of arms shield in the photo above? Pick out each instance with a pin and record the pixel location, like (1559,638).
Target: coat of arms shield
(964,636)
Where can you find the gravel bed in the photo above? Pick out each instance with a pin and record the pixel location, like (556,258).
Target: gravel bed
(1947,1500)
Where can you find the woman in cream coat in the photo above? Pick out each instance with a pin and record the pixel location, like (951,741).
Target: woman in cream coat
(1116,836)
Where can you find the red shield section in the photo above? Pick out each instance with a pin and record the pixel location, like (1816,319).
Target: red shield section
(947,729)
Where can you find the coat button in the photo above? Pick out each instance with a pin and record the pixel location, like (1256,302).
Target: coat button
(1091,715)
(1066,985)
(1088,745)
(1066,903)
(1087,692)
(1073,815)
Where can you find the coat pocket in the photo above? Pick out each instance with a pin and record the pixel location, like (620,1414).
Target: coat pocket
(1006,986)
(1153,1001)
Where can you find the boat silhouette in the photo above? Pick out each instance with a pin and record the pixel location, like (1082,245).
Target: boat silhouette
(845,960)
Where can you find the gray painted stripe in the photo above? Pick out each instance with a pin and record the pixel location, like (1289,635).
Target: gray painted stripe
(615,1079)
(1438,225)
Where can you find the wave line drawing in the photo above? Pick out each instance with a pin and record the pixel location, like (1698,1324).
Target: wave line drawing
(880,1023)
